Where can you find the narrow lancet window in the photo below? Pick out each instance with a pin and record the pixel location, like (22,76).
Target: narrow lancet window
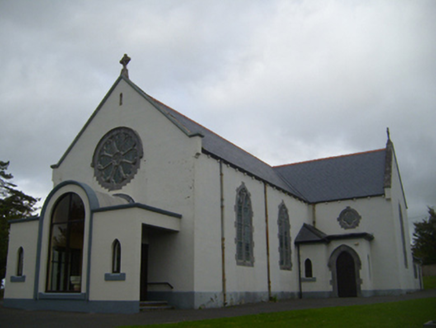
(308,268)
(116,256)
(20,261)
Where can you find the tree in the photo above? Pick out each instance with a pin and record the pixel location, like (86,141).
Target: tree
(14,204)
(424,239)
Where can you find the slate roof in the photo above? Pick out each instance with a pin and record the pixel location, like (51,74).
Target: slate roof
(220,148)
(336,178)
(344,177)
(308,234)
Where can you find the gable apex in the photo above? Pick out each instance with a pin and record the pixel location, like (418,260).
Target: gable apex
(153,102)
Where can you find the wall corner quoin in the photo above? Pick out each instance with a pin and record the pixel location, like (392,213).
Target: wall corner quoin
(388,193)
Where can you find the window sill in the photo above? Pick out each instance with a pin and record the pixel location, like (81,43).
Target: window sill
(114,276)
(312,279)
(62,296)
(18,278)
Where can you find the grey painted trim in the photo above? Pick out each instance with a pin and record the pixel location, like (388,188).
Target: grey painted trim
(189,300)
(239,168)
(55,166)
(18,278)
(152,101)
(347,198)
(138,205)
(62,296)
(149,99)
(36,218)
(329,238)
(114,276)
(361,235)
(387,292)
(126,307)
(93,204)
(317,294)
(304,279)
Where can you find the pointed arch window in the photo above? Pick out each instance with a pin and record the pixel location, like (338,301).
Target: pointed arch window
(244,227)
(116,256)
(20,262)
(308,269)
(66,245)
(284,238)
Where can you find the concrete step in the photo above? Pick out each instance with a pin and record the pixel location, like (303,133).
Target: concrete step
(154,306)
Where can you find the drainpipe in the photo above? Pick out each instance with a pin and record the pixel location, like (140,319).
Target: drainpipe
(223,238)
(267,240)
(300,290)
(314,215)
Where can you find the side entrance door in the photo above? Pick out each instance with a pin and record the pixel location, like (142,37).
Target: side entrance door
(346,275)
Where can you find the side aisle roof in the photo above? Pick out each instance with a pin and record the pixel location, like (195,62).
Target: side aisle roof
(343,177)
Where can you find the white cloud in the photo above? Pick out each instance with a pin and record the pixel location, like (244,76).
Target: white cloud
(286,80)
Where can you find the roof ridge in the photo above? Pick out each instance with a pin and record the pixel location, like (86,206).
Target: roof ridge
(331,157)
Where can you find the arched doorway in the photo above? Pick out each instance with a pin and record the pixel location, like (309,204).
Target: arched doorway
(346,276)
(344,263)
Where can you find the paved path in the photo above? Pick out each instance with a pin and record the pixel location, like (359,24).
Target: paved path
(52,319)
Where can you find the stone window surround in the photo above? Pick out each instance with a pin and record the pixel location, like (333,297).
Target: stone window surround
(284,228)
(240,258)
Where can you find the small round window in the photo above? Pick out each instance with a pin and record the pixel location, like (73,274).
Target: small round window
(349,218)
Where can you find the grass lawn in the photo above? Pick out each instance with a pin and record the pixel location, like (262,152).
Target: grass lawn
(402,314)
(429,282)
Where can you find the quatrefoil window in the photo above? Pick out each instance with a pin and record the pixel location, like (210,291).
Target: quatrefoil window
(117,158)
(349,218)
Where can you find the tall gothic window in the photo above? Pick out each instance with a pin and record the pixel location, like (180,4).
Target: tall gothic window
(116,256)
(284,238)
(244,227)
(66,245)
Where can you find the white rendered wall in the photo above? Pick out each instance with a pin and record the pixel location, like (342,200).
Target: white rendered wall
(107,227)
(377,220)
(299,213)
(319,255)
(208,255)
(207,232)
(405,274)
(23,234)
(164,180)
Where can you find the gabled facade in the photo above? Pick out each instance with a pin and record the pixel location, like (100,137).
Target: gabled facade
(149,205)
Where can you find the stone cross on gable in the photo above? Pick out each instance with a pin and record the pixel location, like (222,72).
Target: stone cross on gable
(124,61)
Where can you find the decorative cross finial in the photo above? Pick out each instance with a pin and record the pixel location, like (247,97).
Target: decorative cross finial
(389,134)
(124,61)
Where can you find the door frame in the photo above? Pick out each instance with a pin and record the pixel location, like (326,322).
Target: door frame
(357,266)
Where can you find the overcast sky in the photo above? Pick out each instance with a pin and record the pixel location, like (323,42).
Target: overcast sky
(286,80)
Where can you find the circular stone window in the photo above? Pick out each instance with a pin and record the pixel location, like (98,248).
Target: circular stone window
(349,218)
(117,158)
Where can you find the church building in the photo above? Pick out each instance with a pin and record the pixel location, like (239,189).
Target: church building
(148,205)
